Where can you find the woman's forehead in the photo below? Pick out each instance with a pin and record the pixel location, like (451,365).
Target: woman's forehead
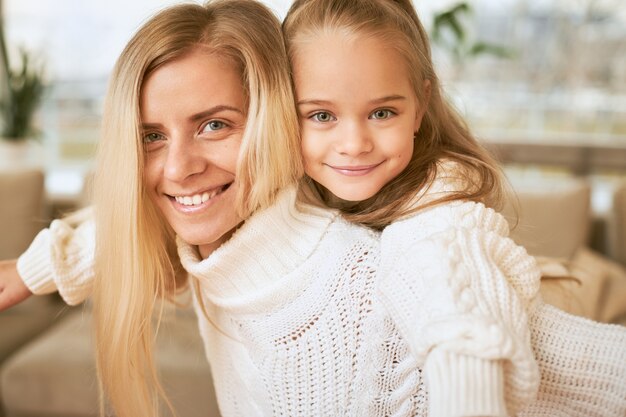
(192,82)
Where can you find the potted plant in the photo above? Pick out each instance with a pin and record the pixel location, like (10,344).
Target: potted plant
(21,94)
(449,32)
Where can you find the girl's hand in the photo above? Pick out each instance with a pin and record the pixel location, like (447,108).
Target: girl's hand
(12,289)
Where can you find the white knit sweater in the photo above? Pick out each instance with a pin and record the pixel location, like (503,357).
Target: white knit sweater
(304,318)
(460,291)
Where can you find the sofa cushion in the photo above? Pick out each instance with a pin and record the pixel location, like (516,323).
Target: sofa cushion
(616,225)
(21,211)
(550,217)
(27,320)
(55,374)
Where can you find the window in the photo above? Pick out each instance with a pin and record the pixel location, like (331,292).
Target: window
(565,81)
(78,41)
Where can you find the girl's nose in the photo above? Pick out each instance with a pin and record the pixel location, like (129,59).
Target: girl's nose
(184,159)
(354,140)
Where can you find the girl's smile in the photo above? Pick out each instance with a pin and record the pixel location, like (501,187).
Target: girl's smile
(354,170)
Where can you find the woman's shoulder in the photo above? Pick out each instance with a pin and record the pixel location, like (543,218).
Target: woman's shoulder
(446,216)
(450,177)
(440,205)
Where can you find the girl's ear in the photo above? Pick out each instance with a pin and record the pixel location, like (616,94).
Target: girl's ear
(422,104)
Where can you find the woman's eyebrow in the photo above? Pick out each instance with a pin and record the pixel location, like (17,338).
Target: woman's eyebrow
(149,126)
(198,116)
(213,110)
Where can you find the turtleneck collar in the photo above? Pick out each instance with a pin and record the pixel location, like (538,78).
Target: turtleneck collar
(254,265)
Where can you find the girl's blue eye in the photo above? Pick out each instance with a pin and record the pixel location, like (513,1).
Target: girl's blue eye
(152,137)
(381,114)
(323,117)
(214,125)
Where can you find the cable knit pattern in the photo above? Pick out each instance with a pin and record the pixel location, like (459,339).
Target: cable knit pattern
(454,281)
(61,259)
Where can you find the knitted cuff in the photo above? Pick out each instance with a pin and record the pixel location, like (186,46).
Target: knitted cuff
(461,385)
(35,265)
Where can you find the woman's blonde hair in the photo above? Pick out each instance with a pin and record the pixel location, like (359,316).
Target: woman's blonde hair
(443,133)
(136,261)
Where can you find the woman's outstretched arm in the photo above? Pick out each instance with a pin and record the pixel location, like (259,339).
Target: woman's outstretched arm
(60,259)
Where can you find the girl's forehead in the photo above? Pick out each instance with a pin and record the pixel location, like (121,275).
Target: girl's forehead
(355,71)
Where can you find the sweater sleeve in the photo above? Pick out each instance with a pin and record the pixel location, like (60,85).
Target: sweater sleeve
(460,290)
(582,365)
(61,258)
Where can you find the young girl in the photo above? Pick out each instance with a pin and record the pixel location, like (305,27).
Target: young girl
(301,312)
(381,144)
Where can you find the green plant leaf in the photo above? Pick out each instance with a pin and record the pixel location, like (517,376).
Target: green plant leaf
(26,89)
(450,19)
(484,48)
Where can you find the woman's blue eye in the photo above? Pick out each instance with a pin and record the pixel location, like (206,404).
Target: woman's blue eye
(381,114)
(152,137)
(214,125)
(323,117)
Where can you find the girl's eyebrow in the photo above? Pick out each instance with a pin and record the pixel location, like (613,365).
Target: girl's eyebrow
(199,116)
(385,99)
(313,101)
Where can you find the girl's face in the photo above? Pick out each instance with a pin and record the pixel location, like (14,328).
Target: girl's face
(193,116)
(358,113)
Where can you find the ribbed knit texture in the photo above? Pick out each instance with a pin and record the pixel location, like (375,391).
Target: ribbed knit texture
(463,385)
(61,258)
(582,363)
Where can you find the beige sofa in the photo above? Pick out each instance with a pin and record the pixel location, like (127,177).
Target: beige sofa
(53,376)
(552,218)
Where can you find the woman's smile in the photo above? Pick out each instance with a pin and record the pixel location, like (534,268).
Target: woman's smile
(195,201)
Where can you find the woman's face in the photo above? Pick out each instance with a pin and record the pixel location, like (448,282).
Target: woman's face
(193,114)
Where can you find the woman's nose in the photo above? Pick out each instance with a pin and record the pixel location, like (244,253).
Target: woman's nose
(184,159)
(354,140)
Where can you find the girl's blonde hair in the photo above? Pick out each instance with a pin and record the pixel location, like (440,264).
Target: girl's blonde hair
(443,133)
(136,261)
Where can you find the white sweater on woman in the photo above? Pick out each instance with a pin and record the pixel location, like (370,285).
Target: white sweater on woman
(307,315)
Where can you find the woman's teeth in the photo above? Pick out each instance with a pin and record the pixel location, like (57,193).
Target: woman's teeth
(197,199)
